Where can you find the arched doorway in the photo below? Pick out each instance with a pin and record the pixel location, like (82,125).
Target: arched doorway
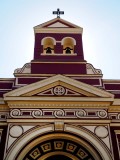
(57,146)
(44,143)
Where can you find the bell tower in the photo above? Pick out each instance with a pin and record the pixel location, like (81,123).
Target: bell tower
(58,106)
(58,46)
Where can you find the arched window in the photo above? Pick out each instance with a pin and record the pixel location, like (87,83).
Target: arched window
(68,45)
(48,45)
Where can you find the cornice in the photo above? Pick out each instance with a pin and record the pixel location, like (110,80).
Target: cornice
(59,30)
(60,99)
(111,81)
(116,102)
(30,75)
(58,105)
(115,124)
(9,80)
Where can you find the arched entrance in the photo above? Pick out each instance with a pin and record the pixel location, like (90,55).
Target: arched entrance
(57,146)
(44,143)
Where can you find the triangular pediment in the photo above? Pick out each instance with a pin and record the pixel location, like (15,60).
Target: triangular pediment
(59,86)
(57,22)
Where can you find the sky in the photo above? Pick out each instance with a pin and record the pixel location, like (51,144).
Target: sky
(100,20)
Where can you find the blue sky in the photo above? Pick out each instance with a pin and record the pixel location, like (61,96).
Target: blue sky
(100,20)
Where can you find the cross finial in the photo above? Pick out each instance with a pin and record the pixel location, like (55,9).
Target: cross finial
(58,12)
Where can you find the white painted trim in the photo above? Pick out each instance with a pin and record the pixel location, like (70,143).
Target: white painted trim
(20,143)
(116,102)
(54,20)
(82,76)
(74,99)
(92,139)
(91,89)
(59,30)
(81,121)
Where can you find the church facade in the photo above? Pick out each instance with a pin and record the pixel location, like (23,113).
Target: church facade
(58,106)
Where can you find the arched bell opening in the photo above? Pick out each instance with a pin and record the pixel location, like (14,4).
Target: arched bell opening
(48,45)
(68,45)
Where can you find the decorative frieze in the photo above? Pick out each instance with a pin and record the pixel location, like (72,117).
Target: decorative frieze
(59,113)
(62,113)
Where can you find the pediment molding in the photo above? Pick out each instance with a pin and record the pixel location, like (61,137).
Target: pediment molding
(77,86)
(56,20)
(58,25)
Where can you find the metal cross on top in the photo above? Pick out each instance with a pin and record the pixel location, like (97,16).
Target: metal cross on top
(58,12)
